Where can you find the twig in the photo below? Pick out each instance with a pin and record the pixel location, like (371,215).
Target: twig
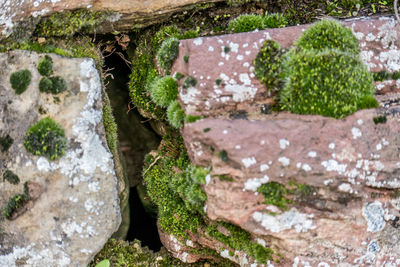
(151,165)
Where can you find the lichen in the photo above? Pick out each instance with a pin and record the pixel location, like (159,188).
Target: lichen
(20,80)
(46,138)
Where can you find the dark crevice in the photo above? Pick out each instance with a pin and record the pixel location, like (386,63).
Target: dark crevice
(136,139)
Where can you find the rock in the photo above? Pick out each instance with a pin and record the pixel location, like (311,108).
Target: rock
(240,92)
(74,206)
(113,16)
(334,183)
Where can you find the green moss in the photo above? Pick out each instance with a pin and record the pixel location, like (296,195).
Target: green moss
(178,76)
(246,23)
(45,66)
(175,115)
(186,58)
(20,81)
(380,119)
(381,76)
(227,49)
(218,82)
(268,65)
(188,35)
(329,34)
(164,90)
(59,85)
(167,53)
(275,20)
(226,178)
(163,34)
(189,82)
(110,125)
(329,83)
(206,130)
(223,155)
(45,85)
(15,203)
(68,23)
(275,194)
(10,177)
(5,143)
(46,138)
(192,118)
(367,101)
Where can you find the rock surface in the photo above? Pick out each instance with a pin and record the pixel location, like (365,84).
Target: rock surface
(343,175)
(124,15)
(76,206)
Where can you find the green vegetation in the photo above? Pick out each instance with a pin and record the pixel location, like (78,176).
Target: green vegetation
(46,138)
(175,114)
(53,85)
(268,65)
(189,82)
(15,203)
(45,85)
(251,22)
(223,155)
(5,143)
(70,22)
(164,90)
(20,81)
(110,125)
(275,194)
(218,82)
(11,177)
(380,119)
(192,118)
(178,76)
(329,34)
(383,76)
(186,58)
(45,66)
(167,53)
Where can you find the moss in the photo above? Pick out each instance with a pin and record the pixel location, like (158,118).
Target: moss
(381,76)
(175,114)
(163,34)
(20,81)
(380,119)
(110,125)
(59,85)
(188,35)
(225,178)
(46,138)
(268,65)
(167,53)
(206,130)
(164,90)
(246,23)
(367,101)
(329,34)
(227,49)
(45,66)
(192,118)
(223,155)
(178,76)
(218,82)
(10,177)
(329,83)
(189,82)
(275,20)
(45,85)
(275,194)
(5,143)
(186,58)
(68,23)
(14,204)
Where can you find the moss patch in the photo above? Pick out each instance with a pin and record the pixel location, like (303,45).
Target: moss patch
(20,81)
(46,138)
(10,177)
(189,82)
(15,203)
(45,66)
(167,53)
(164,90)
(175,114)
(5,143)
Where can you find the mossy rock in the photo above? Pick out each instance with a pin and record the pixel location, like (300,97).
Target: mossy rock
(164,90)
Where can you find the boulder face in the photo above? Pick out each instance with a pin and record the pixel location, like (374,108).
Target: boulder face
(118,15)
(73,206)
(317,190)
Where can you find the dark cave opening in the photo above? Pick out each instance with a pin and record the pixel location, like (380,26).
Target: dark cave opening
(136,139)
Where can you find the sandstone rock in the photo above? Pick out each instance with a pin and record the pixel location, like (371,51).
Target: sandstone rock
(120,15)
(76,207)
(341,176)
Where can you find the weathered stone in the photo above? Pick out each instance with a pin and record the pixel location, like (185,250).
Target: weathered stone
(123,15)
(240,92)
(75,208)
(341,176)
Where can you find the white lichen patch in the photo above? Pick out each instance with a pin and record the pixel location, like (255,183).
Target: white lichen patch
(264,167)
(332,146)
(333,165)
(312,154)
(247,162)
(345,187)
(283,143)
(254,183)
(374,215)
(301,222)
(241,93)
(198,41)
(356,132)
(284,161)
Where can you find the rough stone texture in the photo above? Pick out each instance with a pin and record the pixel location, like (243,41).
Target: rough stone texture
(77,205)
(240,89)
(126,14)
(349,214)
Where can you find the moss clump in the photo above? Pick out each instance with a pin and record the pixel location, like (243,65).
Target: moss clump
(10,177)
(178,76)
(5,143)
(275,194)
(189,82)
(275,20)
(20,81)
(192,118)
(223,155)
(69,22)
(110,125)
(15,203)
(175,115)
(239,239)
(188,35)
(186,58)
(167,53)
(329,34)
(45,66)
(45,85)
(164,90)
(380,119)
(46,138)
(329,83)
(53,85)
(268,64)
(246,23)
